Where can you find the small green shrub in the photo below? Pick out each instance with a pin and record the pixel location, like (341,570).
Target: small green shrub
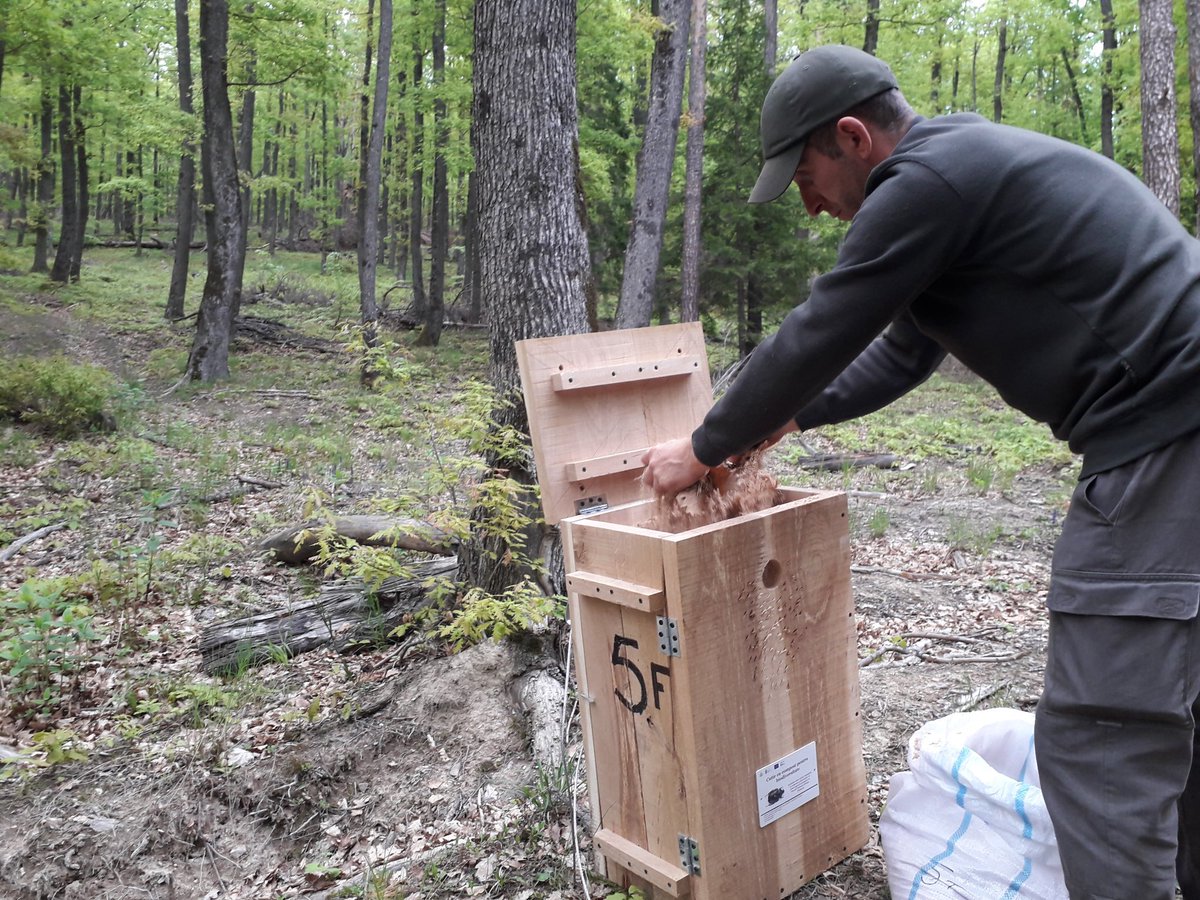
(57,396)
(43,630)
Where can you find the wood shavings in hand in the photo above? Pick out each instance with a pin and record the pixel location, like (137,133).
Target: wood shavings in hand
(724,493)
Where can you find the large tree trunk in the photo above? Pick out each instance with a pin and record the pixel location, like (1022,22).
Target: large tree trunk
(1160,138)
(654,163)
(1106,84)
(416,198)
(371,148)
(186,187)
(431,333)
(68,231)
(694,175)
(209,358)
(534,266)
(45,185)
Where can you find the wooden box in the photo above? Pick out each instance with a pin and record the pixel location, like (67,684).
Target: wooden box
(717,667)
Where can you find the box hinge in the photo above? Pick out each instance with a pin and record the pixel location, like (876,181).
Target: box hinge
(668,636)
(689,855)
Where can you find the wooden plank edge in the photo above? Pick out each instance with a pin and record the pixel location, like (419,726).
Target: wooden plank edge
(613,590)
(624,373)
(642,863)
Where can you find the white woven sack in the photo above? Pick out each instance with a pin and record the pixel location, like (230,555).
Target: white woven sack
(968,820)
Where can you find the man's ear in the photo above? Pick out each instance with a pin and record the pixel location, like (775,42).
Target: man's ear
(854,137)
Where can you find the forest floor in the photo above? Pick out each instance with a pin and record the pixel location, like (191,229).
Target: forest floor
(402,770)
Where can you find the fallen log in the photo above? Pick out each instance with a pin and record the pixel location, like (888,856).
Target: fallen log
(300,543)
(833,462)
(342,614)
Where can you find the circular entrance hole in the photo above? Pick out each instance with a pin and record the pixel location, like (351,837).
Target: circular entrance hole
(772,573)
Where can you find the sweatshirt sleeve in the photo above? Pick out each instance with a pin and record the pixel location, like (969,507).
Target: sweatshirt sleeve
(908,230)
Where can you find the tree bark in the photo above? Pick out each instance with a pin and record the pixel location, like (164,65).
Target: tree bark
(68,231)
(694,173)
(209,358)
(770,26)
(416,198)
(1193,35)
(1075,98)
(245,144)
(186,187)
(81,172)
(654,163)
(871,28)
(45,185)
(440,226)
(998,84)
(371,148)
(534,266)
(1106,85)
(1160,138)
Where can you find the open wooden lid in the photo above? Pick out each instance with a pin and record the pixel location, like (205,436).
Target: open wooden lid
(597,402)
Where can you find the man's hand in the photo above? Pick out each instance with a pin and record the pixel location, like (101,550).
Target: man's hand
(672,466)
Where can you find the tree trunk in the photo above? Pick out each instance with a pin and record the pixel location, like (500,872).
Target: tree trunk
(440,228)
(368,190)
(871,28)
(534,265)
(1193,35)
(1160,138)
(1106,85)
(998,85)
(416,198)
(770,26)
(471,287)
(245,144)
(68,230)
(694,176)
(81,172)
(654,163)
(209,358)
(45,186)
(1075,98)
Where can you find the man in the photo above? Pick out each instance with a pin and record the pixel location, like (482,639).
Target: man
(1058,277)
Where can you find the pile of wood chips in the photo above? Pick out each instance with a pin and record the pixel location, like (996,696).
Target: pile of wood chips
(724,493)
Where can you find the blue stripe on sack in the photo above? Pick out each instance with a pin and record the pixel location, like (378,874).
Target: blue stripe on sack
(1028,757)
(1026,832)
(954,838)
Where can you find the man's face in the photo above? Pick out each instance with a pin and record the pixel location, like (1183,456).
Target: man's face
(835,186)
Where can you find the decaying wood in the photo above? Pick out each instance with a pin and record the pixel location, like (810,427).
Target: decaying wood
(343,614)
(834,462)
(15,547)
(922,642)
(300,543)
(271,332)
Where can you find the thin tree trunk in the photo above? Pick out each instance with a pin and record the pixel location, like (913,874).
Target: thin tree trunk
(186,188)
(81,172)
(471,282)
(69,223)
(1075,98)
(998,85)
(209,358)
(440,228)
(420,302)
(45,185)
(694,173)
(1160,138)
(654,163)
(372,153)
(770,26)
(871,27)
(1106,84)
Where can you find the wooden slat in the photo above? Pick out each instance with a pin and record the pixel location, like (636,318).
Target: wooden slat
(613,590)
(629,856)
(624,373)
(597,466)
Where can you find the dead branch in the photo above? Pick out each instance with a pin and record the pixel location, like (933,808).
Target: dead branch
(907,576)
(300,543)
(837,461)
(923,641)
(15,547)
(343,614)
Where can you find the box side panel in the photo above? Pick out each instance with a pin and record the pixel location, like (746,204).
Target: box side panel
(769,663)
(629,707)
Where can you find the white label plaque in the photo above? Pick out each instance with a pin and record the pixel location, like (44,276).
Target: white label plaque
(787,784)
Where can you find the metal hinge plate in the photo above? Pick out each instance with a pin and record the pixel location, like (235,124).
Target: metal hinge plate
(689,855)
(668,636)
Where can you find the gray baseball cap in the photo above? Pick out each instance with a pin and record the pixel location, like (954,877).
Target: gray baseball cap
(818,85)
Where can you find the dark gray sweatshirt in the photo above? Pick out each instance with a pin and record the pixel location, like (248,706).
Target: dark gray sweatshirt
(1050,271)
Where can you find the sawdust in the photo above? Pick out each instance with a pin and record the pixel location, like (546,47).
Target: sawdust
(726,492)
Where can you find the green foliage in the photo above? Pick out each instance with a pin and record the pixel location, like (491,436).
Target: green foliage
(49,749)
(57,396)
(480,614)
(43,633)
(879,522)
